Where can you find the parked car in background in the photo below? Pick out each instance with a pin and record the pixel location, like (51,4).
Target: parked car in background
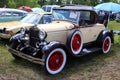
(25,8)
(117,17)
(49,8)
(8,14)
(37,9)
(76,34)
(8,29)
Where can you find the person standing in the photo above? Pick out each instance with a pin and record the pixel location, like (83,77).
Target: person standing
(105,18)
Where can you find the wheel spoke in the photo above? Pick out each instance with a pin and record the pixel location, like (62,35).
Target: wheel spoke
(55,61)
(106,44)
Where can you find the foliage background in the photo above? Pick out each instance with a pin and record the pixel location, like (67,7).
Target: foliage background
(39,3)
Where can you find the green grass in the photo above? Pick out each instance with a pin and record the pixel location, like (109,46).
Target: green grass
(90,67)
(113,25)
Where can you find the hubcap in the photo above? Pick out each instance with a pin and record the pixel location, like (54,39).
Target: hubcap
(76,42)
(55,61)
(106,44)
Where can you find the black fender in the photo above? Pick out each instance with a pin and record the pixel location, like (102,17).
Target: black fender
(52,45)
(15,37)
(103,34)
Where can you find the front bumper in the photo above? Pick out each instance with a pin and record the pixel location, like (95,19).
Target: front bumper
(27,57)
(5,36)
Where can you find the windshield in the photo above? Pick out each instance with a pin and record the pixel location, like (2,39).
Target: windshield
(48,9)
(31,18)
(68,15)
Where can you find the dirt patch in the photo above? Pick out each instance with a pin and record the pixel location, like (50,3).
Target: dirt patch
(111,70)
(106,71)
(7,78)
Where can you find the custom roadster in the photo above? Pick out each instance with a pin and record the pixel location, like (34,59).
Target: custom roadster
(75,35)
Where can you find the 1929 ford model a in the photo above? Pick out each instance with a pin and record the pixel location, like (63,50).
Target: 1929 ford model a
(77,33)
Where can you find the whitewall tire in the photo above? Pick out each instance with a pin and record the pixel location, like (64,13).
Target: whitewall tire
(106,44)
(55,61)
(75,42)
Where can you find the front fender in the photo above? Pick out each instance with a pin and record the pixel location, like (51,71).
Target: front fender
(15,37)
(52,45)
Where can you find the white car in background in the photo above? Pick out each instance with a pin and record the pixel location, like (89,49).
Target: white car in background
(9,14)
(49,8)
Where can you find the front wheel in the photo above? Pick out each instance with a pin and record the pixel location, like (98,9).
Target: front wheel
(55,61)
(106,45)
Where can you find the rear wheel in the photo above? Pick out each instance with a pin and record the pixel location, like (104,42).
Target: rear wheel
(75,42)
(55,61)
(106,45)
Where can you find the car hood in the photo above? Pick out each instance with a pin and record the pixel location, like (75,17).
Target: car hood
(56,26)
(14,25)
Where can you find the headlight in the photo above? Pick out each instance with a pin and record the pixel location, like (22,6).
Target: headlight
(8,32)
(22,31)
(42,34)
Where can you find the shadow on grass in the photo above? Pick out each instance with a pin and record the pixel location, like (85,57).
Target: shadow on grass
(4,42)
(73,66)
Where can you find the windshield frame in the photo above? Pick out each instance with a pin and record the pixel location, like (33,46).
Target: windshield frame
(29,18)
(76,15)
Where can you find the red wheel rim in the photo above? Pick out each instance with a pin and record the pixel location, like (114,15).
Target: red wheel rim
(106,44)
(55,61)
(76,42)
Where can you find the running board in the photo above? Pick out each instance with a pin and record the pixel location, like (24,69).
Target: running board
(89,50)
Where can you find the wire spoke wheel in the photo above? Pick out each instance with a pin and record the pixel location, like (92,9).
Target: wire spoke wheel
(55,61)
(76,42)
(106,45)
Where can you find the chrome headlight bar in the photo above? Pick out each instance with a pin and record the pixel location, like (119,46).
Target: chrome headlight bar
(42,34)
(22,31)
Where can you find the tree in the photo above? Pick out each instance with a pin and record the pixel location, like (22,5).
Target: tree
(11,4)
(38,3)
(31,3)
(105,0)
(116,1)
(58,2)
(92,2)
(84,2)
(3,2)
(41,2)
(20,3)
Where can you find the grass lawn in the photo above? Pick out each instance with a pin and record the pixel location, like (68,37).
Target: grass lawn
(94,66)
(113,25)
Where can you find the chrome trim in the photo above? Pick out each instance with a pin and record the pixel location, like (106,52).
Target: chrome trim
(27,57)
